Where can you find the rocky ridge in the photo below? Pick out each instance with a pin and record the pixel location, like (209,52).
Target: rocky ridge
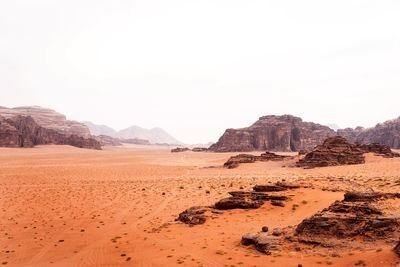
(387,133)
(49,119)
(23,131)
(290,133)
(337,151)
(273,133)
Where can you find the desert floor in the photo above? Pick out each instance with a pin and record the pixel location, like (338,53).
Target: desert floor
(64,206)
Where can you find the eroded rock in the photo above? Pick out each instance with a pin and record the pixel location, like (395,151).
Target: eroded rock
(264,242)
(358,215)
(334,151)
(235,161)
(337,151)
(199,149)
(21,131)
(274,188)
(274,133)
(194,215)
(179,149)
(238,203)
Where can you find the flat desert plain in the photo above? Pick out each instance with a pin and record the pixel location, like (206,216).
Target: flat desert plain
(65,206)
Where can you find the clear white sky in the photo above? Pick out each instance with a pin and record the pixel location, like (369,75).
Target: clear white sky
(198,67)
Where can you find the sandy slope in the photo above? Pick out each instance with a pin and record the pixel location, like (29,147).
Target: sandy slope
(64,206)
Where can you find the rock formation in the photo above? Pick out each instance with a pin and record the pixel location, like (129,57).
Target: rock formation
(358,215)
(238,200)
(289,133)
(279,186)
(235,161)
(396,249)
(378,149)
(387,133)
(199,149)
(334,151)
(264,242)
(179,149)
(361,216)
(337,151)
(196,215)
(49,119)
(21,131)
(274,133)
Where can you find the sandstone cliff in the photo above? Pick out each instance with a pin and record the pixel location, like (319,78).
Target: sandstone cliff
(387,133)
(274,133)
(22,131)
(49,119)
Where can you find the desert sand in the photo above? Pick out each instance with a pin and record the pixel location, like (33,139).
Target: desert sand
(65,206)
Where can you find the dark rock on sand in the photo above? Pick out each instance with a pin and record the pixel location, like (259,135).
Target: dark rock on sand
(264,242)
(357,215)
(179,149)
(238,203)
(334,151)
(235,161)
(200,149)
(279,186)
(194,215)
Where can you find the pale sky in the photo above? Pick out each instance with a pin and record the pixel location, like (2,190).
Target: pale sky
(195,68)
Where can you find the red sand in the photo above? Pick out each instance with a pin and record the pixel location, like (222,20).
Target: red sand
(64,206)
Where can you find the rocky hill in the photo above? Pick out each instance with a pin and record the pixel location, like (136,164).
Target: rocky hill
(23,131)
(49,119)
(97,129)
(387,133)
(274,133)
(290,133)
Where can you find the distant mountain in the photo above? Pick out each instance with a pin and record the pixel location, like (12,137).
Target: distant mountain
(96,129)
(154,136)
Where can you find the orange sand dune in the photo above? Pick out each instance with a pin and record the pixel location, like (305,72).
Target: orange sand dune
(64,206)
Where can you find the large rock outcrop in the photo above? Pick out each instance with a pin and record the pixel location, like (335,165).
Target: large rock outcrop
(274,133)
(289,133)
(337,151)
(362,215)
(361,220)
(334,151)
(21,131)
(235,161)
(49,119)
(387,133)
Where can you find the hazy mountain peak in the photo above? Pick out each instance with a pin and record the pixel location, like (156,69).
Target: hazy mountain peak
(155,135)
